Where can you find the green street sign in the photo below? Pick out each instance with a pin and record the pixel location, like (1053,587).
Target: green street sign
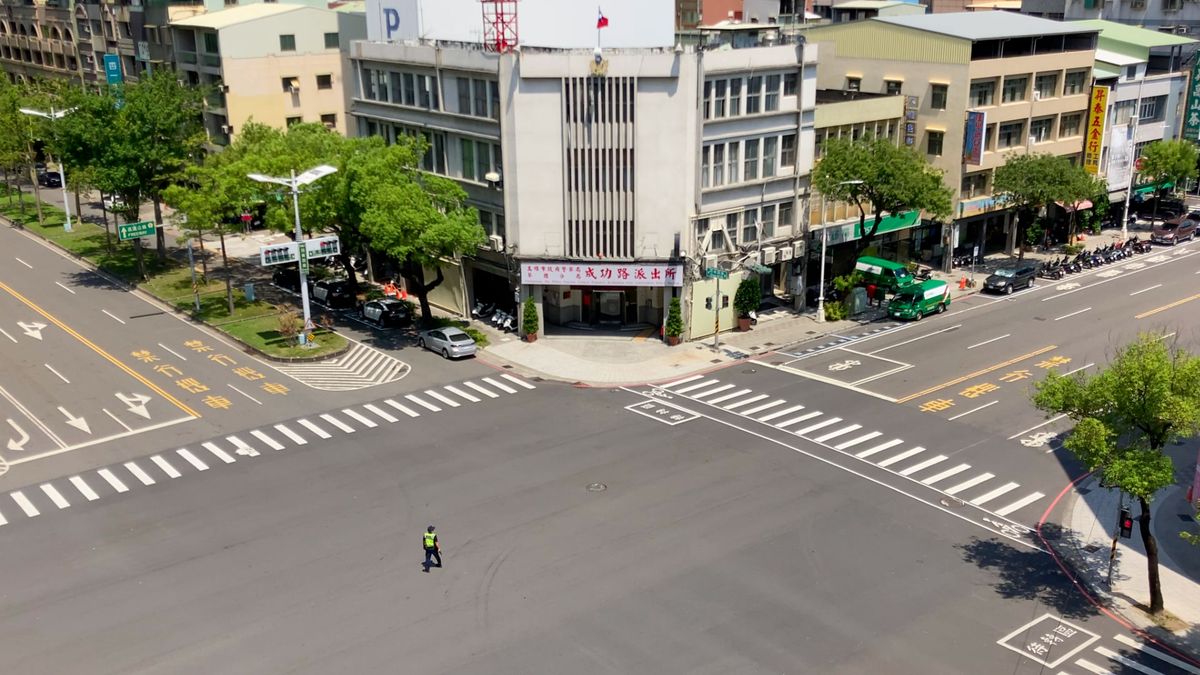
(714,273)
(302,249)
(1191,113)
(128,231)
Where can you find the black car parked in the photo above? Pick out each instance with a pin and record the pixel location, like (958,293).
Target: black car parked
(1009,279)
(334,293)
(49,179)
(386,312)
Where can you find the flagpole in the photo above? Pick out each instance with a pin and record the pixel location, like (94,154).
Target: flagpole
(598,15)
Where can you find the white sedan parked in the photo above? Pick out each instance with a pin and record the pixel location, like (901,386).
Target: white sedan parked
(451,343)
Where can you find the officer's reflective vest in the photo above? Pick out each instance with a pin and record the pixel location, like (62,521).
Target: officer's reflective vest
(430,540)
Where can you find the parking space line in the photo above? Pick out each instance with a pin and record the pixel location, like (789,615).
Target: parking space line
(443,398)
(765,406)
(998,492)
(746,401)
(460,393)
(165,466)
(403,408)
(780,413)
(138,473)
(113,480)
(879,448)
(218,452)
(313,428)
(499,385)
(856,440)
(192,459)
(23,502)
(921,466)
(518,381)
(1019,504)
(54,496)
(383,414)
(939,477)
(295,437)
(360,418)
(271,442)
(970,483)
(423,403)
(84,489)
(483,390)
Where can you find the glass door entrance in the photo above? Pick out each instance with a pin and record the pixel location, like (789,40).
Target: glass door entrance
(608,307)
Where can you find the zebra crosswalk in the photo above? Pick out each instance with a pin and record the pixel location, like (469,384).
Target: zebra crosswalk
(360,367)
(105,482)
(915,462)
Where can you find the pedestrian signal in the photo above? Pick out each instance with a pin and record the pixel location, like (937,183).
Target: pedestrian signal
(1126,524)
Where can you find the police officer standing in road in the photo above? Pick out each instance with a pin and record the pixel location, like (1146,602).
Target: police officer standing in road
(433,551)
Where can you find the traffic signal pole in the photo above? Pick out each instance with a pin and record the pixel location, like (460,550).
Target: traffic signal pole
(301,265)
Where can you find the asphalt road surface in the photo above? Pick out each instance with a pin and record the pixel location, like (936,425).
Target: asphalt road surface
(584,531)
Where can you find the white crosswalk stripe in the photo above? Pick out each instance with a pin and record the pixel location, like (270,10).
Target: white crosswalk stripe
(765,406)
(729,397)
(1128,663)
(1092,668)
(218,452)
(443,398)
(969,483)
(878,448)
(112,480)
(837,432)
(796,420)
(402,408)
(192,459)
(138,473)
(3,520)
(921,466)
(518,381)
(162,464)
(746,401)
(699,385)
(346,428)
(1020,503)
(500,385)
(894,459)
(461,394)
(293,436)
(23,502)
(383,414)
(271,442)
(483,390)
(360,367)
(819,425)
(423,403)
(709,392)
(360,418)
(1160,655)
(939,477)
(780,413)
(84,489)
(998,492)
(242,448)
(857,439)
(313,428)
(676,383)
(54,495)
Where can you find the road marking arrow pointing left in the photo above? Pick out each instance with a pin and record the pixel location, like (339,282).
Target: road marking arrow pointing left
(14,444)
(33,329)
(136,402)
(77,422)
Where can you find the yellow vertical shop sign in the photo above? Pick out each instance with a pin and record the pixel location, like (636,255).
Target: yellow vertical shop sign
(1094,140)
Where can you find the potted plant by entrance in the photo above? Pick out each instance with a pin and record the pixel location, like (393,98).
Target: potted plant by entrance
(746,300)
(529,320)
(674,323)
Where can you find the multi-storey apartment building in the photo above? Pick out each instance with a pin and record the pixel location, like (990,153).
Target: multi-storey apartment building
(607,179)
(1028,77)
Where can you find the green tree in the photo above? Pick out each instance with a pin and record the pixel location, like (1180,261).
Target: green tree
(529,317)
(675,319)
(1169,162)
(874,173)
(1030,183)
(748,296)
(1147,397)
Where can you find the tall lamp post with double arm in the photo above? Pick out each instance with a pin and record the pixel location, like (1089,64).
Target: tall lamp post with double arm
(824,238)
(62,170)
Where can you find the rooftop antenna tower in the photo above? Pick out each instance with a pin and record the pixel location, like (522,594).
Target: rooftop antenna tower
(500,25)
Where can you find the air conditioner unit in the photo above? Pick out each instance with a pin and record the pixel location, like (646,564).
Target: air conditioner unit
(293,89)
(496,242)
(786,253)
(768,255)
(223,88)
(227,128)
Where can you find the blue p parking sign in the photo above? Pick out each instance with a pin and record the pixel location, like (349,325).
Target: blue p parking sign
(112,69)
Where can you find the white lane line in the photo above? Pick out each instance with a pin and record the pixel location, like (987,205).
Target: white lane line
(1106,652)
(313,428)
(192,459)
(271,442)
(746,401)
(1019,504)
(218,452)
(702,384)
(7,335)
(818,425)
(177,355)
(765,406)
(359,417)
(114,317)
(443,398)
(381,413)
(1146,289)
(423,403)
(500,385)
(3,520)
(1161,656)
(988,342)
(113,480)
(345,428)
(919,337)
(998,492)
(1037,426)
(54,496)
(728,397)
(839,432)
(1067,316)
(117,420)
(138,473)
(970,483)
(59,284)
(84,489)
(902,456)
(23,502)
(857,439)
(23,262)
(709,392)
(60,375)
(243,448)
(165,466)
(879,448)
(921,466)
(517,381)
(795,420)
(1083,367)
(295,437)
(939,477)
(460,393)
(405,409)
(780,413)
(245,394)
(676,383)
(1092,668)
(964,414)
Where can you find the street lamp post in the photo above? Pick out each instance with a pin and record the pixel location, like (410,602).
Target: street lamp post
(294,184)
(62,169)
(821,282)
(1133,127)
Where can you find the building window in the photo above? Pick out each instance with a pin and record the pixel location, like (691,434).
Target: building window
(983,93)
(974,184)
(770,158)
(293,120)
(1069,125)
(1014,89)
(410,89)
(853,84)
(1073,83)
(1010,135)
(494,97)
(287,43)
(483,159)
(789,84)
(733,164)
(331,41)
(286,83)
(771,100)
(481,97)
(325,82)
(768,221)
(749,226)
(707,100)
(750,163)
(211,44)
(1122,112)
(787,152)
(719,100)
(935,142)
(1046,85)
(785,215)
(467,147)
(735,97)
(464,95)
(705,152)
(1151,109)
(753,94)
(892,87)
(989,137)
(937,96)
(718,170)
(1039,129)
(1131,72)
(329,120)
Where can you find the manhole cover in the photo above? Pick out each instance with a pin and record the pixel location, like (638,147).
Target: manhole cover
(952,502)
(596,487)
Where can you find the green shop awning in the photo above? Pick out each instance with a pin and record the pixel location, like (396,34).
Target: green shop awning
(898,221)
(1146,189)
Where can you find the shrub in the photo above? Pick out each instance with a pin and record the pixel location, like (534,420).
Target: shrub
(290,324)
(1073,249)
(529,316)
(847,282)
(836,311)
(674,319)
(480,338)
(748,296)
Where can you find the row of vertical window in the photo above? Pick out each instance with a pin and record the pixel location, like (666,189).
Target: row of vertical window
(411,89)
(743,227)
(1015,88)
(732,162)
(749,95)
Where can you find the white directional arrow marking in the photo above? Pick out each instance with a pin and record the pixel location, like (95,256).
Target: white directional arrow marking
(77,422)
(14,444)
(136,402)
(33,329)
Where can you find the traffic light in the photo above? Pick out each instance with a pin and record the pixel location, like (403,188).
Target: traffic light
(1126,523)
(328,247)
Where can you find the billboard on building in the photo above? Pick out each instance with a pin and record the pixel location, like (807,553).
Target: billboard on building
(1191,115)
(1120,157)
(973,138)
(1093,141)
(542,23)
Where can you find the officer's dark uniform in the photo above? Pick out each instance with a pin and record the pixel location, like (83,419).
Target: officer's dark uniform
(431,548)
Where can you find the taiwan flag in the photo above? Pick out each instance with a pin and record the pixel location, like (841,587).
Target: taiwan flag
(601,22)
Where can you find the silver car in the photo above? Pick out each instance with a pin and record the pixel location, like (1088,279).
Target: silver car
(451,343)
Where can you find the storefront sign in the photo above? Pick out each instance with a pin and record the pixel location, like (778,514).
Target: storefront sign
(1094,140)
(1191,116)
(973,207)
(606,274)
(911,105)
(973,138)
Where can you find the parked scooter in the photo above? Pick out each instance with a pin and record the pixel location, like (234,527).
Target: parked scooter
(1051,270)
(483,310)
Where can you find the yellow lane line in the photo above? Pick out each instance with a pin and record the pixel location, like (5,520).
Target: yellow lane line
(91,345)
(1166,307)
(977,373)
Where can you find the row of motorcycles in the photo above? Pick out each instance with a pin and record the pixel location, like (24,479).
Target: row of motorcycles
(1057,269)
(500,319)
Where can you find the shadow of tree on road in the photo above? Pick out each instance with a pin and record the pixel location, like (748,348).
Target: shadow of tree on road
(1027,574)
